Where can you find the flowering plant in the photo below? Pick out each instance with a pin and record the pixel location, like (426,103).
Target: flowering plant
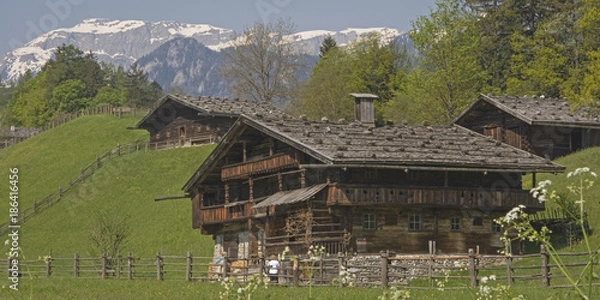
(518,227)
(232,289)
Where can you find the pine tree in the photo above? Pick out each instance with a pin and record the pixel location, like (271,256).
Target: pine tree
(326,46)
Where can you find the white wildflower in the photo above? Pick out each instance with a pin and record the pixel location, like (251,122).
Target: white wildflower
(579,171)
(540,191)
(514,213)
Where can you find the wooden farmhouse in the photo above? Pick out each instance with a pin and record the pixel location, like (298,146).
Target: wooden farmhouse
(547,127)
(184,121)
(276,182)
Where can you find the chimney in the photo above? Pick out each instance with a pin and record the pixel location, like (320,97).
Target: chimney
(364,109)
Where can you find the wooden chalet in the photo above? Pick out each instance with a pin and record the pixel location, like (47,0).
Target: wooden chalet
(179,121)
(276,182)
(547,127)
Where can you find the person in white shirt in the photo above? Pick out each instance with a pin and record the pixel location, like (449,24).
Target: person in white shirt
(273,268)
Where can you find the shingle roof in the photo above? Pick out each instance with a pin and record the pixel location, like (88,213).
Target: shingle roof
(215,106)
(539,110)
(290,197)
(441,146)
(452,148)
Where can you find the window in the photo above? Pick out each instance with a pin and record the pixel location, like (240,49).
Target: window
(454,224)
(414,222)
(369,221)
(496,227)
(478,221)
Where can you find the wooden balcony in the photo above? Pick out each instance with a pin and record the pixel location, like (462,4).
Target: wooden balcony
(261,166)
(231,212)
(349,194)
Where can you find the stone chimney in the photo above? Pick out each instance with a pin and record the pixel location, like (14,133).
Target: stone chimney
(364,109)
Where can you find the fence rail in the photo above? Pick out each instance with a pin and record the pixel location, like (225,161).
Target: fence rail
(64,118)
(84,173)
(376,270)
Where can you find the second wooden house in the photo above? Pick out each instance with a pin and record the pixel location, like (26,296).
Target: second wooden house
(178,121)
(547,127)
(277,182)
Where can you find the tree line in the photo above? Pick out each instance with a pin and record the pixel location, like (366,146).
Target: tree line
(69,82)
(464,48)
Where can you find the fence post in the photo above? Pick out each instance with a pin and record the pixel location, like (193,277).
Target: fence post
(225,265)
(118,149)
(48,266)
(159,266)
(60,192)
(341,266)
(97,161)
(384,269)
(119,258)
(430,263)
(321,267)
(129,266)
(104,266)
(188,266)
(296,272)
(137,145)
(545,267)
(509,270)
(76,265)
(472,270)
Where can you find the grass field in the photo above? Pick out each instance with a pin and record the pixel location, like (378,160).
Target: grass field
(70,288)
(125,187)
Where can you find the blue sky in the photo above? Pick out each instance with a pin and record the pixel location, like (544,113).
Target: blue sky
(20,21)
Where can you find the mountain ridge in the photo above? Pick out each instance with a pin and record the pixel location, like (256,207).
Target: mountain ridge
(122,42)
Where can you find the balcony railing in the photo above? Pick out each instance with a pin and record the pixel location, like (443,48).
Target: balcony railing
(349,194)
(264,165)
(229,212)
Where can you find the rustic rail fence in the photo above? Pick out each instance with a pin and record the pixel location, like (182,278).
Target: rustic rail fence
(64,118)
(384,269)
(27,213)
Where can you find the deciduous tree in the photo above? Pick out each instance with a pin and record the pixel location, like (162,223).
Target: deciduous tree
(263,62)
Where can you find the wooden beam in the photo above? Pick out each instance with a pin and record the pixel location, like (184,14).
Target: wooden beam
(174,197)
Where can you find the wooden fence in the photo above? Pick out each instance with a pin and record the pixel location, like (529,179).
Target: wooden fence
(459,270)
(64,118)
(84,173)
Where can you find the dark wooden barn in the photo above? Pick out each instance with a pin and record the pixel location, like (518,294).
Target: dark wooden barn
(547,127)
(353,187)
(179,121)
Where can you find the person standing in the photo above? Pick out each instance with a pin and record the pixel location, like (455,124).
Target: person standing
(273,268)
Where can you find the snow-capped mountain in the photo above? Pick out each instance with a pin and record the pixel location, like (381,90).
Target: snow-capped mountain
(119,42)
(124,42)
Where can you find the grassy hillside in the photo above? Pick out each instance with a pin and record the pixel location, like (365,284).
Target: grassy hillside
(54,157)
(125,187)
(587,158)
